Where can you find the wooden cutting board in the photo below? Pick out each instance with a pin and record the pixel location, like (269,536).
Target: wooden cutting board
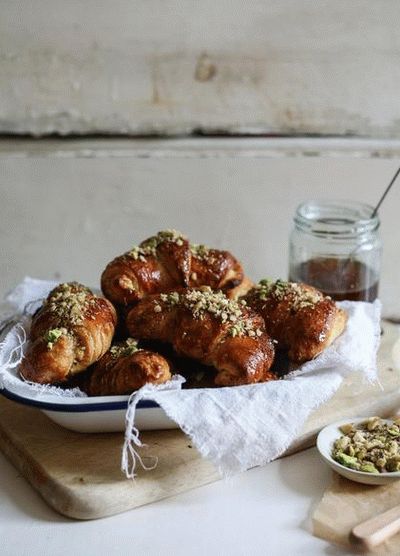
(79,474)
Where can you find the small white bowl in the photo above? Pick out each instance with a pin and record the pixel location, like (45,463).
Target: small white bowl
(325,441)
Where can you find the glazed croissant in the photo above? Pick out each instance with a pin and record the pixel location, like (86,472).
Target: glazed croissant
(72,330)
(299,317)
(166,262)
(207,326)
(124,369)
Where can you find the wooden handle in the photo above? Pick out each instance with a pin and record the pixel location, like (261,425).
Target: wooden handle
(377,529)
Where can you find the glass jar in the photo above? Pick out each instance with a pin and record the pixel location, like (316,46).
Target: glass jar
(335,246)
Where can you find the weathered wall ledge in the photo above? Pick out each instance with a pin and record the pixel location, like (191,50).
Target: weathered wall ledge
(204,147)
(130,67)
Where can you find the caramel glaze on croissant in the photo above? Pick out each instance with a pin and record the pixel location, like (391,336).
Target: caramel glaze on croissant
(72,330)
(166,262)
(299,317)
(124,369)
(207,326)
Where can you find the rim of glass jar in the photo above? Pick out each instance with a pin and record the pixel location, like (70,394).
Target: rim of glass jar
(338,219)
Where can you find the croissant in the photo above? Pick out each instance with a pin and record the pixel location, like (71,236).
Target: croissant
(124,369)
(241,289)
(72,330)
(166,262)
(299,317)
(207,326)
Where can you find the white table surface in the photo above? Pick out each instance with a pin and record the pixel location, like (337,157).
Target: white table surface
(265,511)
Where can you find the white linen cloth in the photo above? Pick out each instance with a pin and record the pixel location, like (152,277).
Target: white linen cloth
(235,427)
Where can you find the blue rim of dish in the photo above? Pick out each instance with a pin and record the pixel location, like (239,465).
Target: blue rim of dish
(76,408)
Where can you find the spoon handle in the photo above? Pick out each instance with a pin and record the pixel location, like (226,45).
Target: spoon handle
(377,529)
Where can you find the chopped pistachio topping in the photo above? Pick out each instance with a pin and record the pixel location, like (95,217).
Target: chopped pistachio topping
(205,300)
(69,301)
(125,349)
(126,283)
(52,335)
(149,246)
(170,235)
(302,297)
(172,298)
(139,253)
(199,250)
(245,328)
(372,447)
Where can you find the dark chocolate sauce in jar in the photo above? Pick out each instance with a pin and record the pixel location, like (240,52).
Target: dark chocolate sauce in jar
(335,246)
(340,278)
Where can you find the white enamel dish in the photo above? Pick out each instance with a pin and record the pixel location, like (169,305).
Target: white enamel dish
(89,414)
(96,414)
(325,441)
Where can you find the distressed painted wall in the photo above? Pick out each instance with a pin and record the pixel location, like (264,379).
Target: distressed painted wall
(143,67)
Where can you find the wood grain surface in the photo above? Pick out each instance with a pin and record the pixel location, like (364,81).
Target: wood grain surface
(79,474)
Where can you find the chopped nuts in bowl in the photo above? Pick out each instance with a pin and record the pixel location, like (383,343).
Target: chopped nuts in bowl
(366,450)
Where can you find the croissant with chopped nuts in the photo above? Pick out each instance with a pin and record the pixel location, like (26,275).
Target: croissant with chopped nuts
(207,326)
(72,330)
(166,262)
(124,369)
(299,317)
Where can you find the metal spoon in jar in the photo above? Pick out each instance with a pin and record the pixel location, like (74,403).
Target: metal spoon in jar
(373,214)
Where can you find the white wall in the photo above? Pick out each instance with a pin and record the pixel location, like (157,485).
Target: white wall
(65,214)
(140,67)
